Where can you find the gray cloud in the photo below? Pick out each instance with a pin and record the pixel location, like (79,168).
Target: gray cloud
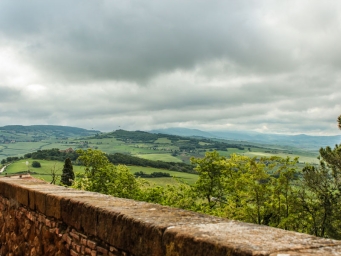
(135,41)
(259,65)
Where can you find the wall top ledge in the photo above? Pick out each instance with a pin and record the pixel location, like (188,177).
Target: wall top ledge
(151,229)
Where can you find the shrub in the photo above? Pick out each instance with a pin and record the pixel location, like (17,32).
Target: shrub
(36,164)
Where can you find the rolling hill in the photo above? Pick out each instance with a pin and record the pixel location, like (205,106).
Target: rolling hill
(298,141)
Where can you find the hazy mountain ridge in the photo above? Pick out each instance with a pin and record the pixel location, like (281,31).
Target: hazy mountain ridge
(20,132)
(300,141)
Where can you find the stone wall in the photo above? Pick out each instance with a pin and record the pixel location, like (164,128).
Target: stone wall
(42,219)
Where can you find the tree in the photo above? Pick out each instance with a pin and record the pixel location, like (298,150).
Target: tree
(283,202)
(68,175)
(320,199)
(210,183)
(320,194)
(36,164)
(54,174)
(104,177)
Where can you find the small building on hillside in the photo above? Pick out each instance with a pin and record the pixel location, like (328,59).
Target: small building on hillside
(69,150)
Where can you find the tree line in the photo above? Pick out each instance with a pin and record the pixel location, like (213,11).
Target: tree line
(117,158)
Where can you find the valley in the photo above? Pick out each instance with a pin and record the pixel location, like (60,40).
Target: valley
(156,147)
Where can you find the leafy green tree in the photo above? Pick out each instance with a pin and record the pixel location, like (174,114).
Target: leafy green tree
(320,194)
(36,164)
(256,193)
(93,160)
(104,177)
(283,202)
(68,176)
(180,195)
(332,159)
(258,190)
(210,184)
(320,199)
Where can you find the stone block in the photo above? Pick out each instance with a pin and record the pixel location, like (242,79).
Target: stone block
(71,212)
(236,238)
(91,244)
(40,201)
(75,235)
(73,253)
(22,196)
(124,231)
(53,206)
(102,250)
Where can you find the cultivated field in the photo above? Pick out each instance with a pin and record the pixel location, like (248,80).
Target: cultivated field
(45,172)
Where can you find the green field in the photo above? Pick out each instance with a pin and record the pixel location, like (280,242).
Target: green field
(159,157)
(163,141)
(302,159)
(186,177)
(159,147)
(44,172)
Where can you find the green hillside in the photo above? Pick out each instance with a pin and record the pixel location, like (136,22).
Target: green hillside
(48,166)
(19,140)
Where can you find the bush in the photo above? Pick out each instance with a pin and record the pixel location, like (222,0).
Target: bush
(36,164)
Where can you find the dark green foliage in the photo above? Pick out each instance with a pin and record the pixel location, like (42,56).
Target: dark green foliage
(118,158)
(36,164)
(141,136)
(52,154)
(152,175)
(104,177)
(68,175)
(10,159)
(321,193)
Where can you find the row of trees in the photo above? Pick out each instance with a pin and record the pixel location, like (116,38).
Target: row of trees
(52,154)
(119,158)
(151,175)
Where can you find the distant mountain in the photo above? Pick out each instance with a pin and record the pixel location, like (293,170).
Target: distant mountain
(21,132)
(299,141)
(184,132)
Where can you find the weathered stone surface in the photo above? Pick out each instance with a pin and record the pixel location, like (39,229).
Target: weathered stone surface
(236,238)
(37,218)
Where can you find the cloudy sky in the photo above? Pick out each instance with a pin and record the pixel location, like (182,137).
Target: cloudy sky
(268,66)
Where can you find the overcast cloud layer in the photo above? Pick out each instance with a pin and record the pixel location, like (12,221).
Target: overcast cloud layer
(269,66)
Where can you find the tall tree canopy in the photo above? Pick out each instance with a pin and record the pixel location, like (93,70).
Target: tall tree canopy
(68,175)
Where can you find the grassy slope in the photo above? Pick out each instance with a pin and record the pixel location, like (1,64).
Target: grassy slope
(161,148)
(186,177)
(161,157)
(44,172)
(143,150)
